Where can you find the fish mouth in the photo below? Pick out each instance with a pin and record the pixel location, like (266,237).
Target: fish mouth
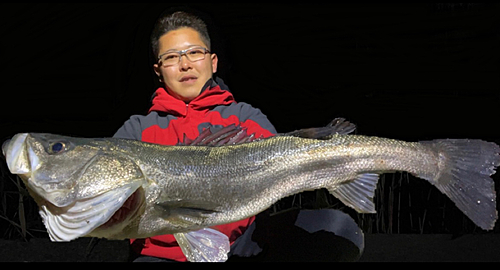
(113,209)
(128,210)
(17,156)
(5,145)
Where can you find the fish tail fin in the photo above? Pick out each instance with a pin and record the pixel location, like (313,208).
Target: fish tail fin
(465,167)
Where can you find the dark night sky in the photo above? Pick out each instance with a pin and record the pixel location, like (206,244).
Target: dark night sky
(411,72)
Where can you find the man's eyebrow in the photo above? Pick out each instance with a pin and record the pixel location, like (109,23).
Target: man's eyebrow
(170,50)
(175,50)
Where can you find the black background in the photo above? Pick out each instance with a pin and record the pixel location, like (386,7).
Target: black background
(405,71)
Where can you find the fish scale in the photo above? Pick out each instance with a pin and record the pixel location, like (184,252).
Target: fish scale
(185,188)
(311,165)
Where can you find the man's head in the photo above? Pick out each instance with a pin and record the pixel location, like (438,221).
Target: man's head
(179,32)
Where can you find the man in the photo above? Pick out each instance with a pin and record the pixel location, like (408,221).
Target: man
(190,101)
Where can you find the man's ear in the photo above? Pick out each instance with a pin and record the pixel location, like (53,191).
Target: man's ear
(156,68)
(215,61)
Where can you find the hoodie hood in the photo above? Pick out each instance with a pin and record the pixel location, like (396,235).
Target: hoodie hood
(211,96)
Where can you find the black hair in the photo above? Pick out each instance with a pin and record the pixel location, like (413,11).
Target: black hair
(173,21)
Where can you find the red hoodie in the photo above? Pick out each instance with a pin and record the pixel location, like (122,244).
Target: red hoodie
(169,120)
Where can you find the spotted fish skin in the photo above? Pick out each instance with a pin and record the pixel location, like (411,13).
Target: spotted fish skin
(117,188)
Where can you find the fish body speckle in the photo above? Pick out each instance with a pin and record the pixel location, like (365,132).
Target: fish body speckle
(117,189)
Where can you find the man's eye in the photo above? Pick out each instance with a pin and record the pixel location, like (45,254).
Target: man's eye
(170,57)
(195,52)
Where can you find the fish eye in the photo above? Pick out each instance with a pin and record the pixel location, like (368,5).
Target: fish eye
(57,147)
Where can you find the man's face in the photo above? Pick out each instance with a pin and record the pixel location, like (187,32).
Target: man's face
(185,79)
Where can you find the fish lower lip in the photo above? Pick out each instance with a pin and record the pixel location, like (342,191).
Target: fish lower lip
(16,154)
(4,147)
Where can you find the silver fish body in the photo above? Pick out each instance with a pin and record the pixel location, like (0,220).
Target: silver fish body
(116,188)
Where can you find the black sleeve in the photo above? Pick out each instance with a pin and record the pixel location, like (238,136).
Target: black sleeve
(247,112)
(131,129)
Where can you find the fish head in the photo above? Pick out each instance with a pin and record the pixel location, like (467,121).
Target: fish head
(79,184)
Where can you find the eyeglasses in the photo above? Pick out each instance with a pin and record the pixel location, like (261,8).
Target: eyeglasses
(174,57)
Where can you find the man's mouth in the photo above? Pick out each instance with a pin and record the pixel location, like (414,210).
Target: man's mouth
(188,79)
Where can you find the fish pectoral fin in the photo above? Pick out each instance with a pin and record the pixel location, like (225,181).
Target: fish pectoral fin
(205,245)
(187,208)
(358,194)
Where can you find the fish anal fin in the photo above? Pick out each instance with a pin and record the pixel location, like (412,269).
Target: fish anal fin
(358,194)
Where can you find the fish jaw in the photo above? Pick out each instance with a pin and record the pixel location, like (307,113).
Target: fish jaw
(16,155)
(84,216)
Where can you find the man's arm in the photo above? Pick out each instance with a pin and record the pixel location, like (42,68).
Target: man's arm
(255,121)
(131,129)
(248,117)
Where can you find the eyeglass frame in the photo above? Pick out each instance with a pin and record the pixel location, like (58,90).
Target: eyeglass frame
(183,52)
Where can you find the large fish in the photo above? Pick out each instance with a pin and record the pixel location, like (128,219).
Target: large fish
(117,188)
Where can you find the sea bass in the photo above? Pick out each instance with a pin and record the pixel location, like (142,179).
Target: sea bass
(118,188)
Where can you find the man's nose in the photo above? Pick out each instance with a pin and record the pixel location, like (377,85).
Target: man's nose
(184,63)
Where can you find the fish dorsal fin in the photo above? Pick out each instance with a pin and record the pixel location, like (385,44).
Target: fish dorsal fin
(358,194)
(337,126)
(231,134)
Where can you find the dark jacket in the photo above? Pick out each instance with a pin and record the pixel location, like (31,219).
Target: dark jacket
(169,121)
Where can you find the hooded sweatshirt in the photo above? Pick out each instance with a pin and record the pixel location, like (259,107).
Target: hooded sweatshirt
(169,121)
